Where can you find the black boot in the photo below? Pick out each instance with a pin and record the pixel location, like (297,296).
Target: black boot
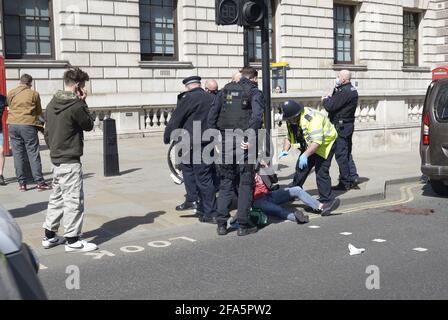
(222,230)
(187,206)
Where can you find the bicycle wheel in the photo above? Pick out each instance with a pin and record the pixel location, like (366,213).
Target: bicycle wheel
(176,172)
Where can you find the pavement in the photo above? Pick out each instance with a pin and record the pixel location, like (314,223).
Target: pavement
(142,199)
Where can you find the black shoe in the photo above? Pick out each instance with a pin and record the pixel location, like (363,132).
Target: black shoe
(208,219)
(341,187)
(2,181)
(354,184)
(187,206)
(222,230)
(330,206)
(300,217)
(244,231)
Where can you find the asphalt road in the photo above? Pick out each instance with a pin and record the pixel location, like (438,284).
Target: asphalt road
(281,261)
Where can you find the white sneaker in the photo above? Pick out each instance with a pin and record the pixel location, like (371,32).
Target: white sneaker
(80,246)
(53,242)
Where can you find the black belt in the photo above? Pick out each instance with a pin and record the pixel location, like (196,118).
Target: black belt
(342,121)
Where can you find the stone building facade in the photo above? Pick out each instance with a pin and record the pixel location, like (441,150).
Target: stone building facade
(390,45)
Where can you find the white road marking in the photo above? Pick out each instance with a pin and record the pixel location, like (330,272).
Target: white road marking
(314,227)
(100,254)
(345,233)
(159,244)
(379,240)
(42,267)
(183,238)
(132,249)
(420,249)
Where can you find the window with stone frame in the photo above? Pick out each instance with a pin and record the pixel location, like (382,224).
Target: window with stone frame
(158,28)
(28,29)
(410,38)
(343,19)
(254,37)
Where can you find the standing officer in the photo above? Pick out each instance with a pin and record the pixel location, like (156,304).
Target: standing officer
(320,136)
(239,105)
(193,106)
(341,107)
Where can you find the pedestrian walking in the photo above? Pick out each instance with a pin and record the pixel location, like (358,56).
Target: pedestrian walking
(341,107)
(238,106)
(319,135)
(193,106)
(24,122)
(67,118)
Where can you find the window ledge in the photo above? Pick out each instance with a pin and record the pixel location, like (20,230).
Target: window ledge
(19,63)
(415,69)
(350,67)
(165,65)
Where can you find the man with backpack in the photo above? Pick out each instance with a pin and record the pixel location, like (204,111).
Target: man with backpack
(237,108)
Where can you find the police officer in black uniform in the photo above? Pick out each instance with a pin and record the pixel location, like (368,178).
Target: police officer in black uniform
(193,106)
(341,107)
(237,106)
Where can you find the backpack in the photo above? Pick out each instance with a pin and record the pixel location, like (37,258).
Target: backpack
(236,109)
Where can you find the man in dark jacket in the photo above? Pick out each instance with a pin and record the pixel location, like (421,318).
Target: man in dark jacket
(67,116)
(238,106)
(191,111)
(341,108)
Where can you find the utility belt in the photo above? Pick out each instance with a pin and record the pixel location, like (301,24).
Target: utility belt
(342,121)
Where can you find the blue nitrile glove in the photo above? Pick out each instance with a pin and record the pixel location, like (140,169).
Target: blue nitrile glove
(282,154)
(303,161)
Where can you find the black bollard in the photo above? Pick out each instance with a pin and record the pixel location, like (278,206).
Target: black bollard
(110,148)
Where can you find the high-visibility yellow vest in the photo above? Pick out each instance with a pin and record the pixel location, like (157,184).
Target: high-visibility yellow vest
(318,128)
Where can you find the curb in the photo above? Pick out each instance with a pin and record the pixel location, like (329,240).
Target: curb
(379,195)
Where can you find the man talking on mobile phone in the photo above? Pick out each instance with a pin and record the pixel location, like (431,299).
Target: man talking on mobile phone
(67,117)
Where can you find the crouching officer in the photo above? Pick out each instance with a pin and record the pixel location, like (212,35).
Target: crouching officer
(193,106)
(341,108)
(320,136)
(239,105)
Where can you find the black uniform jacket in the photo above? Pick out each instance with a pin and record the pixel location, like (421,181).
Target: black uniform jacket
(342,104)
(191,106)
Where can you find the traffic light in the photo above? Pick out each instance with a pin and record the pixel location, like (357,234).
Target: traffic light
(247,13)
(251,13)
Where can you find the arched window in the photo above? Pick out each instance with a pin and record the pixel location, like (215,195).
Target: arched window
(27,26)
(158,29)
(254,37)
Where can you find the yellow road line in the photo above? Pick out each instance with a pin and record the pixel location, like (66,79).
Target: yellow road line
(406,196)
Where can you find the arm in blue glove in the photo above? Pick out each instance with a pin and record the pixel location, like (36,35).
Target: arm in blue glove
(303,161)
(282,154)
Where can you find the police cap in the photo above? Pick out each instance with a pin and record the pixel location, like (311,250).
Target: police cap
(291,109)
(192,79)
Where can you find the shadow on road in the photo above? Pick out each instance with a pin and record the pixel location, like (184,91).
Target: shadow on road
(129,171)
(115,228)
(29,209)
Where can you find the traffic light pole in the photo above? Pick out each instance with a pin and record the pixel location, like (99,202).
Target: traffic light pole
(266,72)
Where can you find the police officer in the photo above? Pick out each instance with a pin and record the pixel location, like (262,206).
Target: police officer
(341,107)
(192,109)
(239,105)
(320,136)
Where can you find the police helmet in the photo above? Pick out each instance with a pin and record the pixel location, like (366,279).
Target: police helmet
(291,109)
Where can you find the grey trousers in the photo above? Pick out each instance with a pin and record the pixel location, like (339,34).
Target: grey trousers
(25,147)
(66,200)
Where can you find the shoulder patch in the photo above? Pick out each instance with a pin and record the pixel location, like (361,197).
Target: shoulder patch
(308,117)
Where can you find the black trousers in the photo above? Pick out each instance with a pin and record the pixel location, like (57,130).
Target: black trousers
(235,177)
(343,152)
(323,179)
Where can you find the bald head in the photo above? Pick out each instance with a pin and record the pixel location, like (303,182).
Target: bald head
(211,85)
(345,75)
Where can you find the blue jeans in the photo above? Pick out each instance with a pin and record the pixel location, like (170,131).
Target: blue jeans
(270,203)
